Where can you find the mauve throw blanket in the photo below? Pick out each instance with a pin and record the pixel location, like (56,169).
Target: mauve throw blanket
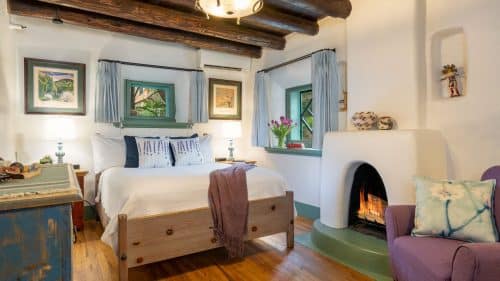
(228,200)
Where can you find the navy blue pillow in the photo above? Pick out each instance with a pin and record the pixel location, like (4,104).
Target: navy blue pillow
(132,158)
(132,154)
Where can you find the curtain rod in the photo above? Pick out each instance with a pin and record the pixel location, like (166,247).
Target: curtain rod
(293,61)
(151,65)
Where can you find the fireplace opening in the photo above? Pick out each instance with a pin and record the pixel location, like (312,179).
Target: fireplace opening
(368,202)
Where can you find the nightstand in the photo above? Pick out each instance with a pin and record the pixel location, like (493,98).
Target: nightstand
(77,211)
(231,162)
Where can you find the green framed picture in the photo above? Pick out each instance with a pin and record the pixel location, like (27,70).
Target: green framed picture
(149,104)
(54,87)
(224,99)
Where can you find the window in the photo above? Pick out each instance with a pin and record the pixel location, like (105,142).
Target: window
(299,109)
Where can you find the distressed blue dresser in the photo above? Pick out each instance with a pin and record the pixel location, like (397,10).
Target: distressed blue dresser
(36,227)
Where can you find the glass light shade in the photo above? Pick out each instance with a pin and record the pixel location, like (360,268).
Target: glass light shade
(230,8)
(231,130)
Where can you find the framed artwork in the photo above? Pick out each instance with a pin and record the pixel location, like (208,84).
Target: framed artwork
(224,99)
(149,104)
(54,87)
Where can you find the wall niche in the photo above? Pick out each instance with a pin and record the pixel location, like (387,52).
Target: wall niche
(449,53)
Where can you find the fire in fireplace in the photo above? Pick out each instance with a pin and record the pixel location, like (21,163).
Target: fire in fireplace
(368,202)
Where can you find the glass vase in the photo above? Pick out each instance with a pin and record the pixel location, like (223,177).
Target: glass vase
(281,141)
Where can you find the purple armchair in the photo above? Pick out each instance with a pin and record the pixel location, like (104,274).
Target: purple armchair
(439,259)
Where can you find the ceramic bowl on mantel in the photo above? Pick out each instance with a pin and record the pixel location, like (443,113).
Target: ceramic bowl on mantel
(364,120)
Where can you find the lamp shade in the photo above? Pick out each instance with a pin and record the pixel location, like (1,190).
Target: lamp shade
(231,130)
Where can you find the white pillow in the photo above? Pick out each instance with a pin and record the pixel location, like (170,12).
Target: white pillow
(108,152)
(153,153)
(187,151)
(206,149)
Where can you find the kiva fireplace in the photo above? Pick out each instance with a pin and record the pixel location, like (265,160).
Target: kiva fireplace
(368,202)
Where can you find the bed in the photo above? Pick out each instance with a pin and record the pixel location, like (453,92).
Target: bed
(150,215)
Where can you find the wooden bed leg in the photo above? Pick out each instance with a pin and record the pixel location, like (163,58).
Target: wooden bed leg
(291,216)
(122,248)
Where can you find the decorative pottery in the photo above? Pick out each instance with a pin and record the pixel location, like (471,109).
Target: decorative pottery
(364,120)
(385,123)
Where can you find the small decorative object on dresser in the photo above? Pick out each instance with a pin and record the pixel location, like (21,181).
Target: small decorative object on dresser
(385,123)
(224,99)
(281,129)
(364,120)
(54,87)
(77,211)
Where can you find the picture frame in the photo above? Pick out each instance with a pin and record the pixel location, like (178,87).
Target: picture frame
(149,104)
(54,87)
(224,99)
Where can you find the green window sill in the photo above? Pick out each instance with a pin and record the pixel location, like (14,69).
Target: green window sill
(152,124)
(303,152)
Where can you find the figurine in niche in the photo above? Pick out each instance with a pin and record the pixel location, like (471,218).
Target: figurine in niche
(451,73)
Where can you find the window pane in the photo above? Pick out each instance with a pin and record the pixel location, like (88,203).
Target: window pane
(307,117)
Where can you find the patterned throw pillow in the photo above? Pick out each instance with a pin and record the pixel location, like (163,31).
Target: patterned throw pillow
(455,209)
(153,152)
(186,151)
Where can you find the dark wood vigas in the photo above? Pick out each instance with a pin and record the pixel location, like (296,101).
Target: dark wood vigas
(179,21)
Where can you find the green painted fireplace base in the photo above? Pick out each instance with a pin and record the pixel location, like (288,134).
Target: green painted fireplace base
(361,252)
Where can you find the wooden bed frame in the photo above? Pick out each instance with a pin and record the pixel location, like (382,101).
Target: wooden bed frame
(160,237)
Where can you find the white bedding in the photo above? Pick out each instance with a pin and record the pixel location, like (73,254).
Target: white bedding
(140,192)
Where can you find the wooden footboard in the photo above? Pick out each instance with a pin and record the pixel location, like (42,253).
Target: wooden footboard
(155,238)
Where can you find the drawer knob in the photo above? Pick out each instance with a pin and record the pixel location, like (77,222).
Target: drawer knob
(123,257)
(254,228)
(170,231)
(140,260)
(273,207)
(136,243)
(213,240)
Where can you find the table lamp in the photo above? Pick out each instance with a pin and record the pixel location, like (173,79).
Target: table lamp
(231,131)
(60,129)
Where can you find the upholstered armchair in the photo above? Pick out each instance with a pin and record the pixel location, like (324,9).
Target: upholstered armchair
(439,259)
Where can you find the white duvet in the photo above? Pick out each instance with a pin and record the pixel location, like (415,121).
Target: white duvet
(140,192)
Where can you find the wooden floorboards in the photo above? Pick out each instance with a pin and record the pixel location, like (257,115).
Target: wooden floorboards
(265,259)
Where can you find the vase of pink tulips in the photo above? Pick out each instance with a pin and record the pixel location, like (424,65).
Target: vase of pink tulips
(281,129)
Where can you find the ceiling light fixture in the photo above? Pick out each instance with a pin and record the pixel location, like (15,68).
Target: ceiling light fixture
(229,8)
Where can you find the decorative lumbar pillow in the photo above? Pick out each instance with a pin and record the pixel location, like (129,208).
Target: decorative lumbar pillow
(186,151)
(153,152)
(108,152)
(455,209)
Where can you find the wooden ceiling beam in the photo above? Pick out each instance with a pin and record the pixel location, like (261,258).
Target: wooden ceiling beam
(267,19)
(315,8)
(96,21)
(171,18)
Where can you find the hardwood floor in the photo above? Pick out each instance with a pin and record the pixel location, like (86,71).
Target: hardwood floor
(266,259)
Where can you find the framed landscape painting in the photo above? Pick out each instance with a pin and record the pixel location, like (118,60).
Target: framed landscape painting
(224,99)
(149,104)
(54,87)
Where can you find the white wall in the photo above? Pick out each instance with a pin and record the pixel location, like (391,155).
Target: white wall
(384,54)
(470,124)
